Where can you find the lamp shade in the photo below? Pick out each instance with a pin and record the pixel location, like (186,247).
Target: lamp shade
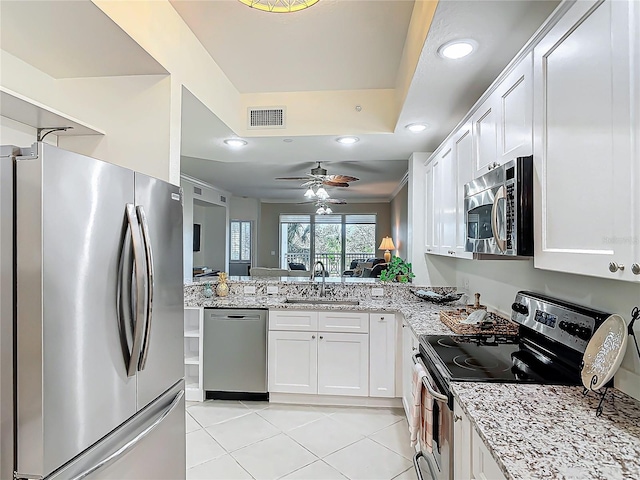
(387,244)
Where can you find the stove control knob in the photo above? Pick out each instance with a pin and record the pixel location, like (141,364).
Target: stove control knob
(519,308)
(584,333)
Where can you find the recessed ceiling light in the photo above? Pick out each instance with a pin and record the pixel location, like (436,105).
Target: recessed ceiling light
(457,48)
(347,140)
(235,142)
(416,127)
(288,140)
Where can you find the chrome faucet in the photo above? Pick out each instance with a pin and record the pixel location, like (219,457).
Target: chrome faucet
(324,276)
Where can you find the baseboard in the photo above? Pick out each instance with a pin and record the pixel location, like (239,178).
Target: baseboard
(334,400)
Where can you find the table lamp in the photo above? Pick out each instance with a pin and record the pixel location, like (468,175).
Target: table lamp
(386,245)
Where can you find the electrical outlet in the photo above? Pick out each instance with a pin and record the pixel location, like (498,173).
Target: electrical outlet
(377,292)
(249,289)
(273,253)
(272,289)
(465,284)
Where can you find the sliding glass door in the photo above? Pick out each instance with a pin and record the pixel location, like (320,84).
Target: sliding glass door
(335,240)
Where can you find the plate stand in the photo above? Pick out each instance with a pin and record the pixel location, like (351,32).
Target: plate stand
(600,394)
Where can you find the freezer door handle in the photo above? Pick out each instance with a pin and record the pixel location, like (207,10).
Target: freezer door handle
(138,306)
(133,442)
(150,273)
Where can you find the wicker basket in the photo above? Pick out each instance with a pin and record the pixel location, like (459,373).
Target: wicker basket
(502,326)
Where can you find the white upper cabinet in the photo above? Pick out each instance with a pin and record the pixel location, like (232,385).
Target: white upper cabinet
(515,97)
(485,135)
(463,155)
(447,205)
(431,236)
(583,136)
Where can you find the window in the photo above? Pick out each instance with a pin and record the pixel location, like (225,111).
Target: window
(240,241)
(335,240)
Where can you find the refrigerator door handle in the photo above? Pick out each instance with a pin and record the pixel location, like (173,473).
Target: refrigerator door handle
(150,273)
(139,307)
(133,442)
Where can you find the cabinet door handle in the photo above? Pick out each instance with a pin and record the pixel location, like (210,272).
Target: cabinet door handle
(313,337)
(321,337)
(635,269)
(457,418)
(414,348)
(381,319)
(614,267)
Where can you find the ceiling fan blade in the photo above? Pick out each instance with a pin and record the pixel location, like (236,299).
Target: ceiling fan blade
(292,178)
(335,184)
(335,201)
(341,178)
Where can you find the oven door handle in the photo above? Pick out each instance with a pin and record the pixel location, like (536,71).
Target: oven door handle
(425,381)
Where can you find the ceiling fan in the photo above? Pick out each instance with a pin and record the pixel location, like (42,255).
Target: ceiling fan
(318,176)
(323,205)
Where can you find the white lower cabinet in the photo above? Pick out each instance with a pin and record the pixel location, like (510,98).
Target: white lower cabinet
(349,353)
(382,345)
(293,364)
(409,349)
(471,457)
(483,466)
(461,444)
(343,364)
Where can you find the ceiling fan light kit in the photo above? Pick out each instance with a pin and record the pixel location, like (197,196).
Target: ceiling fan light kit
(279,6)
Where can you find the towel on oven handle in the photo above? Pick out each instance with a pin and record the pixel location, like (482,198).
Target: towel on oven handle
(421,410)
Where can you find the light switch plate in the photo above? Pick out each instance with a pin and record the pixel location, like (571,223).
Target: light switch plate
(377,292)
(249,289)
(272,289)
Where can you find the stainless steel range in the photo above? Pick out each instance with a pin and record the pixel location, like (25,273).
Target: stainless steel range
(553,335)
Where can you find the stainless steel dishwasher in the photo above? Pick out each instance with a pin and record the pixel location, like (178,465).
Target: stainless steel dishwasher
(235,354)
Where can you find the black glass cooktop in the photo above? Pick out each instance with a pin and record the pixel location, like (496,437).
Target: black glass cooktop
(491,358)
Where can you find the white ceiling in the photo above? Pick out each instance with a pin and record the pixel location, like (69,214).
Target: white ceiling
(334,45)
(441,92)
(71,38)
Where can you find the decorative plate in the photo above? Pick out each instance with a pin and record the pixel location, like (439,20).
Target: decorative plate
(604,353)
(434,297)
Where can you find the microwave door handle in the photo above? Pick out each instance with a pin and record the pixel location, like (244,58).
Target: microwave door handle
(139,307)
(500,195)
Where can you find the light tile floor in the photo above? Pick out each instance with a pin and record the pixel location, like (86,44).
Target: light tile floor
(228,440)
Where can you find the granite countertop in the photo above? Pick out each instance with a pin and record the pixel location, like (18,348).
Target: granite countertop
(552,432)
(423,317)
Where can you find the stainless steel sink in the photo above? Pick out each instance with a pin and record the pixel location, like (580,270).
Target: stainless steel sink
(321,301)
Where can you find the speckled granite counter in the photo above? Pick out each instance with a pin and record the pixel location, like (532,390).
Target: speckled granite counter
(422,316)
(552,432)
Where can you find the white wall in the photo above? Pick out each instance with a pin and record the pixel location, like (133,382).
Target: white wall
(213,232)
(133,111)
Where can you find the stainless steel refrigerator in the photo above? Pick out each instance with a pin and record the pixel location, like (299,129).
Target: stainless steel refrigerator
(92,326)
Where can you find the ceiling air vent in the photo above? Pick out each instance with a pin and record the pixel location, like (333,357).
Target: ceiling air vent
(270,117)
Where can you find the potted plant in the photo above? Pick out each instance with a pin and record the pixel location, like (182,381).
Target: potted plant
(397,270)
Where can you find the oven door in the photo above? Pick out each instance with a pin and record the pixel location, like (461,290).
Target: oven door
(486,221)
(437,464)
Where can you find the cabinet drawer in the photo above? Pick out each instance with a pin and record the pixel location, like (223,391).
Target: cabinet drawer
(301,320)
(347,322)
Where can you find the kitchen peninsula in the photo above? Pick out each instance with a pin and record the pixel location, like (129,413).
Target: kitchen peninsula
(555,426)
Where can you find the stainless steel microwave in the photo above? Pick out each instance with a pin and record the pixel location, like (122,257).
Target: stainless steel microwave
(499,210)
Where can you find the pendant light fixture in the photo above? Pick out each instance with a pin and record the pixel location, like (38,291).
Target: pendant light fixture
(279,6)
